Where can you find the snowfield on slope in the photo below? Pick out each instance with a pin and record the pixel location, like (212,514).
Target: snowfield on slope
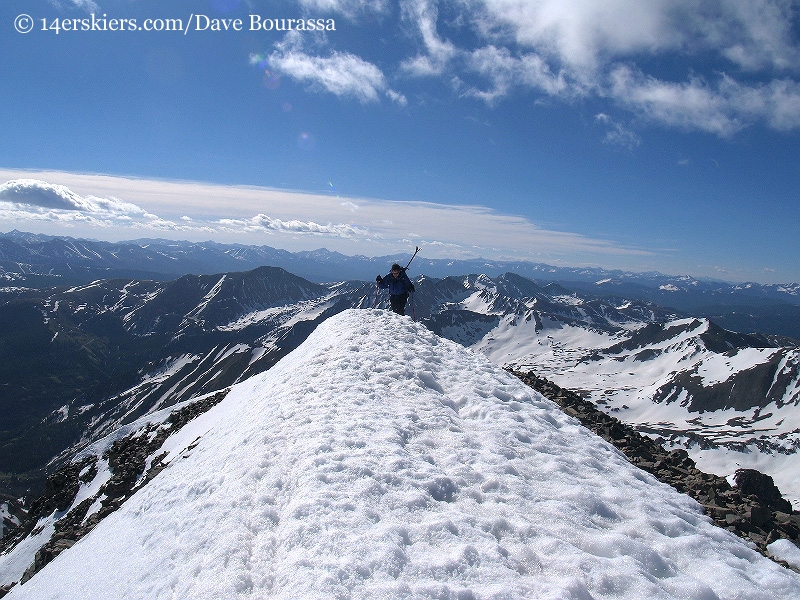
(624,384)
(378,460)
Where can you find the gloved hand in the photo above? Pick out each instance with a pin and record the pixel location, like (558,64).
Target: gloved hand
(378,279)
(411,287)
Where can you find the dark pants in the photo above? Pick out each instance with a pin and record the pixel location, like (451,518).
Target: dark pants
(398,303)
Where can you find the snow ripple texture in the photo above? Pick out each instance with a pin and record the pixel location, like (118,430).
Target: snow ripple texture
(378,461)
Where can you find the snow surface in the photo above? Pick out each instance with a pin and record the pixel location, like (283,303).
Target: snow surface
(624,385)
(378,460)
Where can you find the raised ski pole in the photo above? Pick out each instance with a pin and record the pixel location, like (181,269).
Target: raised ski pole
(416,249)
(413,307)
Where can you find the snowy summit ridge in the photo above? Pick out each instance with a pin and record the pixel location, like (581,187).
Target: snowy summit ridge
(378,460)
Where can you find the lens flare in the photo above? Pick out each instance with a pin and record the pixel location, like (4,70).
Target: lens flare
(259,60)
(306,141)
(271,80)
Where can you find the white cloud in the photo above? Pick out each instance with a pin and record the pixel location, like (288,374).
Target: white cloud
(585,34)
(302,221)
(42,195)
(349,8)
(438,52)
(723,109)
(578,33)
(505,72)
(396,97)
(34,200)
(691,104)
(781,104)
(616,133)
(87,5)
(340,73)
(579,49)
(582,48)
(752,34)
(264,223)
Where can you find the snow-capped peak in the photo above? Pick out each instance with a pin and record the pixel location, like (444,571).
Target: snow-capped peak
(378,460)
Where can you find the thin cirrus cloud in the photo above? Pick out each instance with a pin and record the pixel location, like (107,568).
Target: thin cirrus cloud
(741,59)
(296,220)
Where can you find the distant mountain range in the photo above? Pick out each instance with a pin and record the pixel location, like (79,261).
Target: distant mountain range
(33,260)
(77,362)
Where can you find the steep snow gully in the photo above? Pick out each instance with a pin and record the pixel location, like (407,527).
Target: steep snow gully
(378,460)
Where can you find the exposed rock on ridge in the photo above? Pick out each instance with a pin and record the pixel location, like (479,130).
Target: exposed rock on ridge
(128,462)
(754,509)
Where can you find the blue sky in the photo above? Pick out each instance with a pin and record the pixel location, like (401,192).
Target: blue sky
(622,134)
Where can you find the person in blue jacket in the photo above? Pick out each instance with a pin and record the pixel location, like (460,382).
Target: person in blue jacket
(399,287)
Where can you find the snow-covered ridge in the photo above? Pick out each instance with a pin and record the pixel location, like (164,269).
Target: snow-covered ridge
(378,460)
(196,335)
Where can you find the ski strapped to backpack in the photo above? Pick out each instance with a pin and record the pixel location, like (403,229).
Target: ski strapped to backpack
(416,249)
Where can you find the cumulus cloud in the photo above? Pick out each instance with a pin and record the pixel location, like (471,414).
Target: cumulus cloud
(582,48)
(263,223)
(36,200)
(740,58)
(42,195)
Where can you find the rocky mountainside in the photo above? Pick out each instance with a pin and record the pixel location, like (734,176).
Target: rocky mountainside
(730,399)
(81,361)
(34,260)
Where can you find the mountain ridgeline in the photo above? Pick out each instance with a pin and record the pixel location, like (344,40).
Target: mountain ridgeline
(34,260)
(80,361)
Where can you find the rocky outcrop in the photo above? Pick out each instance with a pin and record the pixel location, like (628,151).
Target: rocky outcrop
(128,463)
(12,513)
(754,509)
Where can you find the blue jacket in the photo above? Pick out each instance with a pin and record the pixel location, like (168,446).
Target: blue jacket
(397,285)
